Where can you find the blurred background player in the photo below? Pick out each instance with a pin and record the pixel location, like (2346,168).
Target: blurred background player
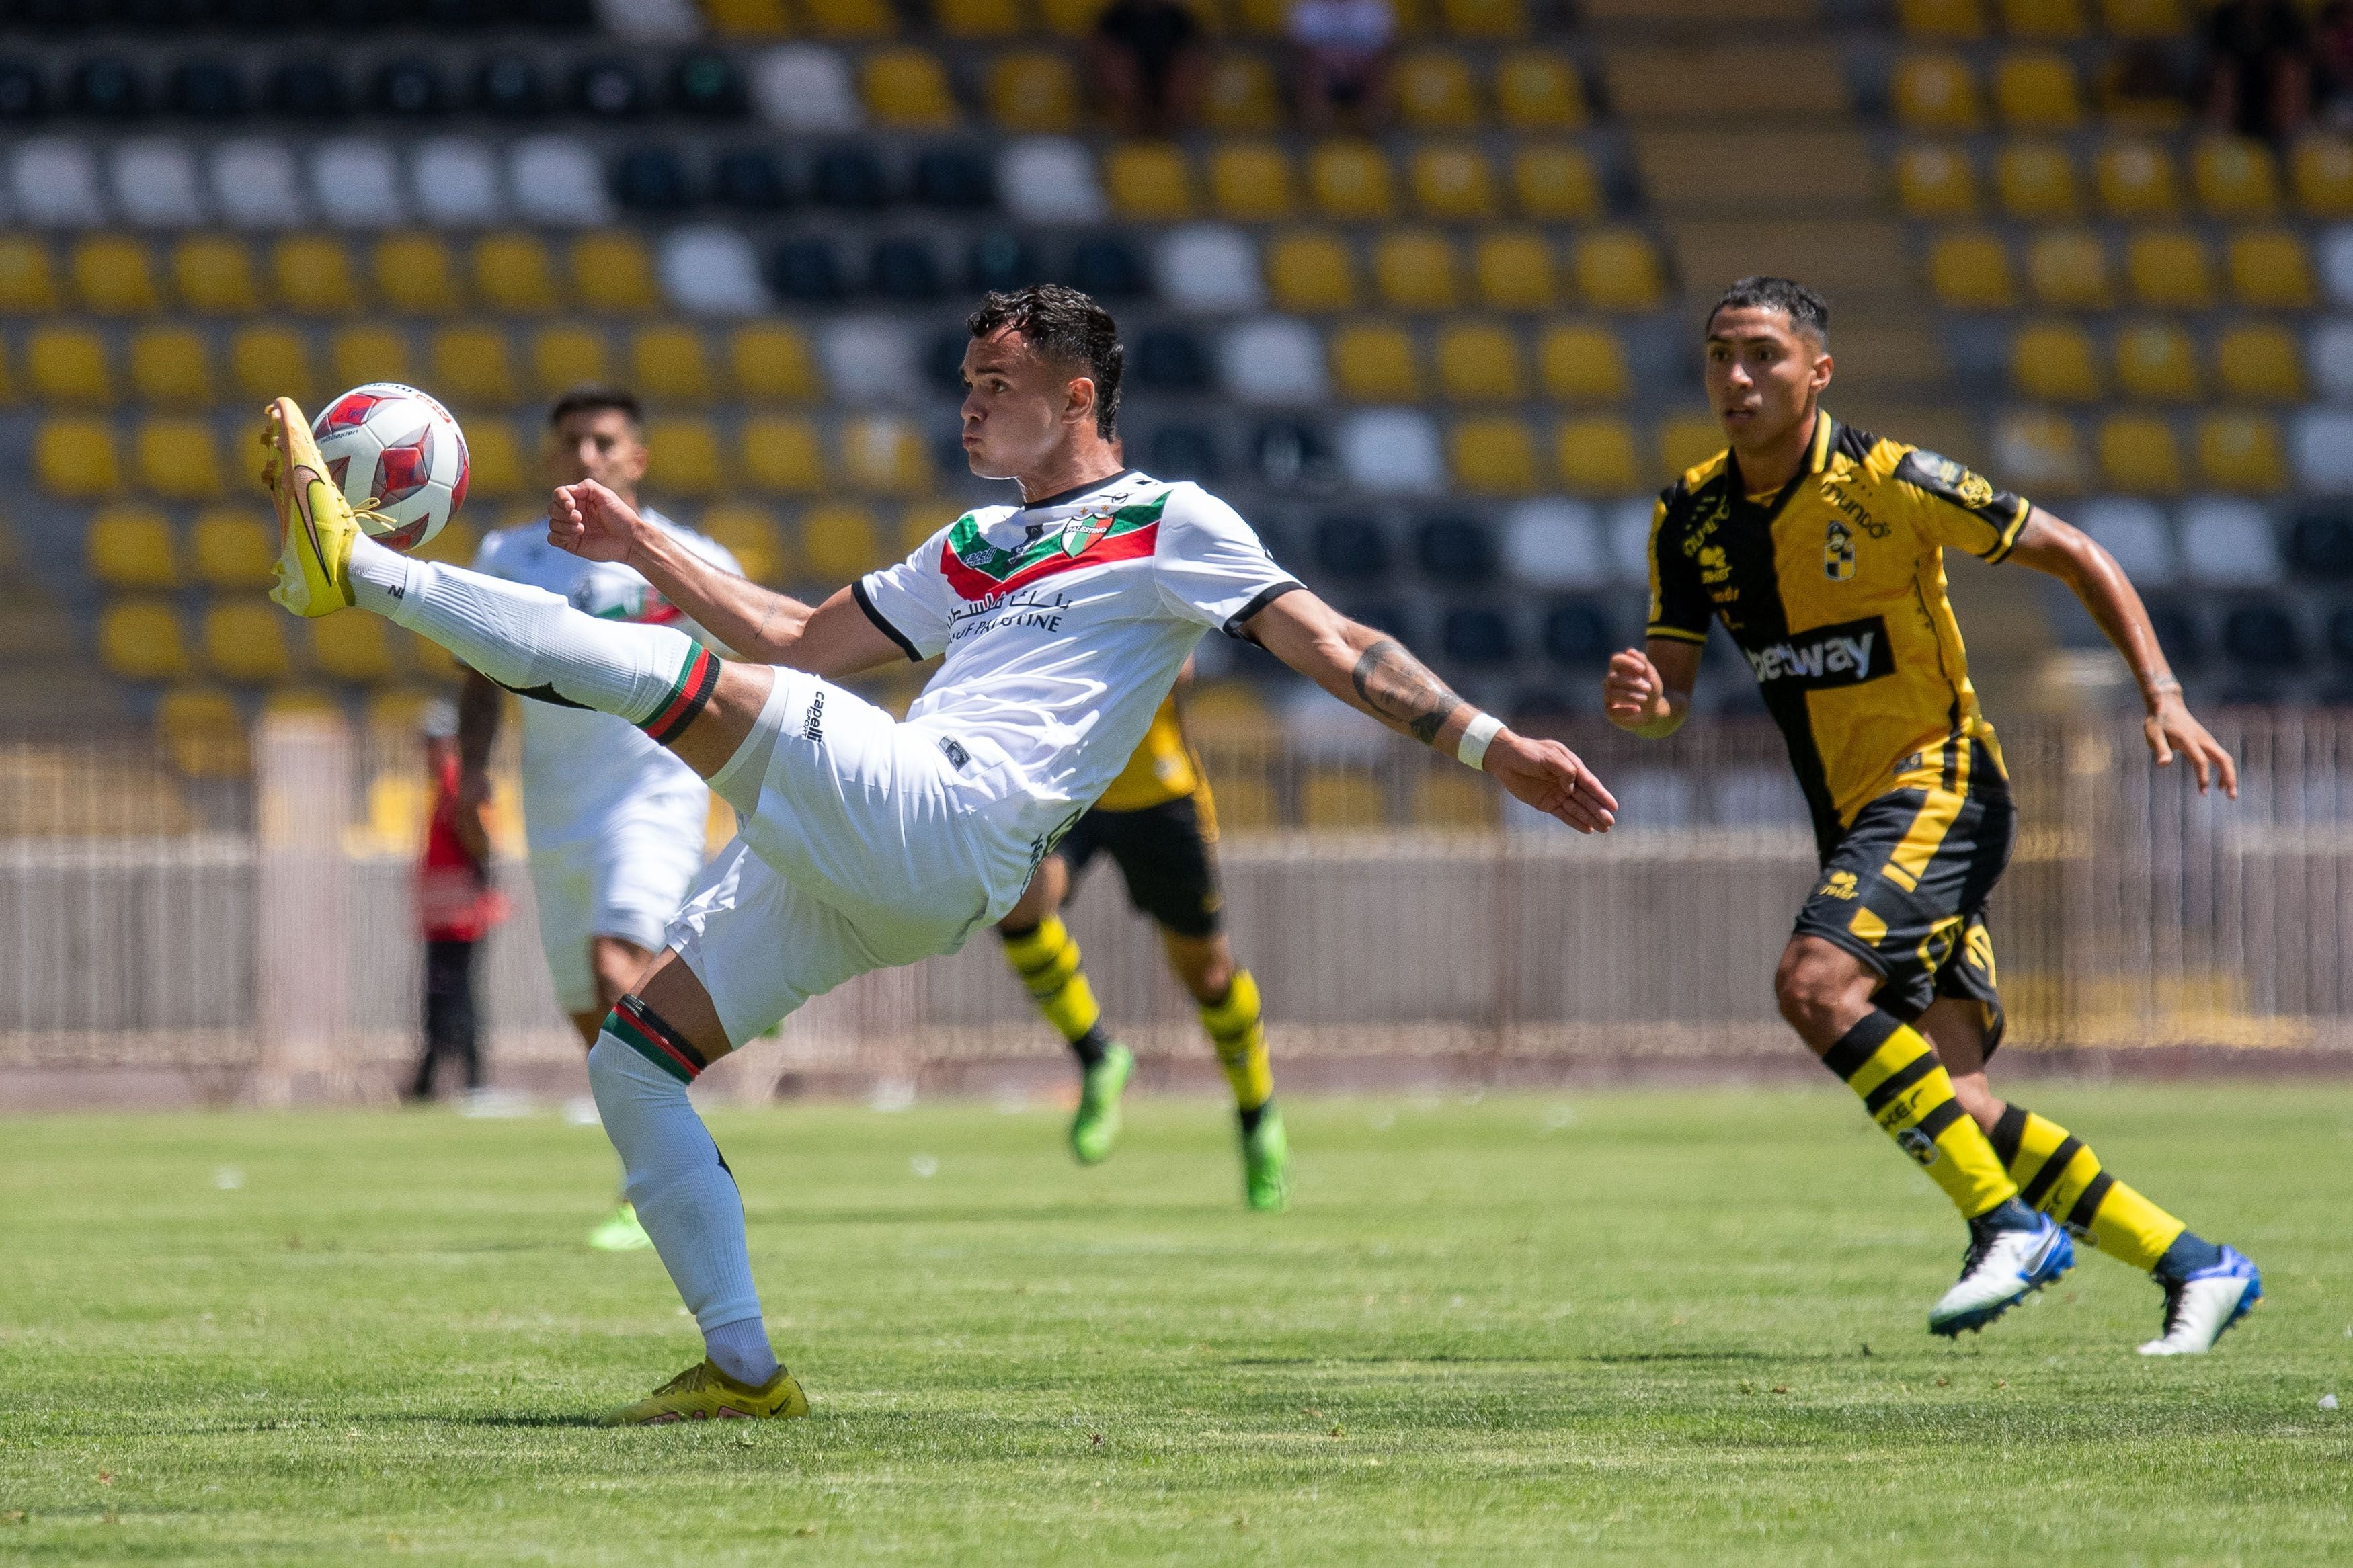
(616,824)
(1158,823)
(456,907)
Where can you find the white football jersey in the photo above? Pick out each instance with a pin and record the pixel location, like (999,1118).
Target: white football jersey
(579,767)
(1065,624)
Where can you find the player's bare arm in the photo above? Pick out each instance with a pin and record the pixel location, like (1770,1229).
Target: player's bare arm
(1373,673)
(2091,574)
(480,704)
(1648,691)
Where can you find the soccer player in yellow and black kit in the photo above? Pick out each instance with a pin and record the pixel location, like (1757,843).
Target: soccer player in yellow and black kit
(1158,824)
(1820,549)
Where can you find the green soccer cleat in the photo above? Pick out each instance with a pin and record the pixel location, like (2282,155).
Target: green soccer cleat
(1095,1128)
(620,1232)
(1266,1164)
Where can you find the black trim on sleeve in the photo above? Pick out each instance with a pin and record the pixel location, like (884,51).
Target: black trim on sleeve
(1238,624)
(857,592)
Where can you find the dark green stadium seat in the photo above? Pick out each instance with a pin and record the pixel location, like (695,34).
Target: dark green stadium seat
(1350,548)
(1171,359)
(805,272)
(1578,633)
(1291,454)
(1458,551)
(957,178)
(1184,452)
(409,88)
(2320,542)
(1477,635)
(1109,269)
(509,87)
(706,83)
(2262,635)
(106,88)
(750,180)
(1003,259)
(207,89)
(849,177)
(904,270)
(309,87)
(23,95)
(652,180)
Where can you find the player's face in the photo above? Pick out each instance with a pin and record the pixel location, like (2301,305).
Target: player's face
(1019,409)
(1763,374)
(598,444)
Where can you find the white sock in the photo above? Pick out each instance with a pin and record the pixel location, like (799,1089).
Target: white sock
(687,1202)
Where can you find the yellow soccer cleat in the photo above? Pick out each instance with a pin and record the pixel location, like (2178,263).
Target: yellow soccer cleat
(703,1393)
(315,525)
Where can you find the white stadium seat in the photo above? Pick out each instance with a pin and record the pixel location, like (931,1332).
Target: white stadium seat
(651,21)
(1556,544)
(2229,542)
(455,184)
(1392,451)
(2336,263)
(1629,528)
(711,271)
(355,184)
(2134,531)
(2324,451)
(870,360)
(157,185)
(1050,179)
(1209,268)
(2330,353)
(1274,359)
(803,89)
(254,185)
(557,181)
(56,184)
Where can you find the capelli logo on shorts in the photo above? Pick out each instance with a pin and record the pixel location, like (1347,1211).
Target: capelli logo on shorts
(813,727)
(1845,654)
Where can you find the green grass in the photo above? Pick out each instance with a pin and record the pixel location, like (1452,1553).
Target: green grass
(1613,1328)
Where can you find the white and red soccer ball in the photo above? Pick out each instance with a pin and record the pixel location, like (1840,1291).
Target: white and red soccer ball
(399,458)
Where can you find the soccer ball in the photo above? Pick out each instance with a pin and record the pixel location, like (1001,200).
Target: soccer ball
(399,458)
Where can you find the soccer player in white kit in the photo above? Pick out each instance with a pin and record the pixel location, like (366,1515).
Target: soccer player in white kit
(868,842)
(616,823)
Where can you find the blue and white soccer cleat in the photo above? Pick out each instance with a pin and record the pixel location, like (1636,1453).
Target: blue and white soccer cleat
(2002,1268)
(2199,1308)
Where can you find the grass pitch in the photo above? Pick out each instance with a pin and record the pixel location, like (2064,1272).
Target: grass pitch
(1611,1328)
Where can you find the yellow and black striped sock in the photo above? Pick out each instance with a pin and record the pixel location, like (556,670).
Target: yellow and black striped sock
(1046,957)
(1240,1040)
(1907,1091)
(2057,1172)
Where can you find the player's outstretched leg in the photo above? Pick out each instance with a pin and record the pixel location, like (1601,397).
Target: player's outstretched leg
(1238,1036)
(2208,1288)
(1046,957)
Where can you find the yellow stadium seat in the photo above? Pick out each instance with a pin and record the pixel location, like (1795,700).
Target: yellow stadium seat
(2053,360)
(1515,270)
(270,361)
(68,365)
(1619,269)
(1240,96)
(1310,270)
(1685,441)
(140,639)
(473,366)
(1453,184)
(2259,363)
(2138,454)
(2068,270)
(919,520)
(1970,270)
(132,547)
(1413,270)
(1434,92)
(2270,270)
(1956,19)
(1374,362)
(1596,456)
(1033,91)
(494,461)
(1479,362)
(685,456)
(612,272)
(356,355)
(979,18)
(1072,18)
(2142,18)
(850,19)
(2241,452)
(28,284)
(885,454)
(202,732)
(416,274)
(312,274)
(1495,456)
(1936,180)
(1149,182)
(839,542)
(747,18)
(2042,451)
(233,548)
(170,367)
(1581,363)
(772,364)
(2235,177)
(2169,269)
(2157,363)
(513,275)
(1538,89)
(750,535)
(2036,181)
(179,459)
(1453,801)
(214,275)
(1334,797)
(1485,19)
(669,364)
(907,89)
(2324,177)
(2034,90)
(113,276)
(2137,180)
(1251,181)
(566,357)
(2057,21)
(1555,184)
(245,641)
(1934,92)
(1350,181)
(781,455)
(353,648)
(76,458)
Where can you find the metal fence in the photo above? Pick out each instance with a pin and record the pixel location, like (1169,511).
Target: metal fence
(237,938)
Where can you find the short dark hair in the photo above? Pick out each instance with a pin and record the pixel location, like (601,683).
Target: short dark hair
(1061,324)
(1807,312)
(594,398)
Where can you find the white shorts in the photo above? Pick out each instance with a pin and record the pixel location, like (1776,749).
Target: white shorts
(869,848)
(626,882)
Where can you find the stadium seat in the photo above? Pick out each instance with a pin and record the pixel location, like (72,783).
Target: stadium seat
(2142,19)
(312,274)
(1619,269)
(1489,19)
(1290,454)
(1579,363)
(772,364)
(2135,532)
(1273,360)
(1033,91)
(907,89)
(1685,441)
(1148,181)
(309,86)
(2323,168)
(2241,452)
(1970,270)
(2331,359)
(203,88)
(414,274)
(885,455)
(454,183)
(1454,184)
(747,18)
(1477,635)
(2258,363)
(358,354)
(2036,181)
(509,86)
(155,184)
(233,548)
(28,283)
(849,18)
(1350,182)
(839,541)
(270,361)
(565,357)
(140,639)
(1414,269)
(1934,180)
(711,272)
(131,548)
(1375,363)
(2042,454)
(1185,452)
(1554,544)
(76,458)
(1515,270)
(353,649)
(1495,456)
(255,186)
(2270,270)
(868,362)
(2053,361)
(2324,451)
(2229,545)
(2138,454)
(2235,177)
(472,366)
(558,182)
(669,364)
(611,272)
(1479,362)
(652,180)
(2067,270)
(514,276)
(1391,451)
(750,535)
(113,276)
(1596,456)
(1208,268)
(1555,184)
(750,180)
(1170,359)
(1310,270)
(782,456)
(245,641)
(496,465)
(2169,268)
(1434,90)
(2263,635)
(805,89)
(610,88)
(2320,547)
(2057,21)
(1349,548)
(2336,263)
(215,275)
(1239,98)
(1108,267)
(1539,90)
(685,461)
(955,178)
(202,732)
(1934,92)
(979,18)
(2157,363)
(67,366)
(2035,89)
(2136,180)
(55,182)
(1050,179)
(179,459)
(903,270)
(1959,20)
(355,184)
(171,368)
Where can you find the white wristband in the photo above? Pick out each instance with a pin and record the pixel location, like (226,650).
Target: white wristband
(1471,750)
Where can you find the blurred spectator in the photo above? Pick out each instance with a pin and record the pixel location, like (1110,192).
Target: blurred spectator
(2259,64)
(1148,54)
(1340,61)
(456,907)
(2332,72)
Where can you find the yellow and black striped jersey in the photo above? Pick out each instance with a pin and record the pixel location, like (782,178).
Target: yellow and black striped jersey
(1834,590)
(1162,768)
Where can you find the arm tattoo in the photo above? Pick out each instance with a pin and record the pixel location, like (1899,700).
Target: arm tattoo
(1400,689)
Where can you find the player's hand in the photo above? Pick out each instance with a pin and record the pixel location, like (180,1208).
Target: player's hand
(592,523)
(1550,777)
(2170,729)
(1633,693)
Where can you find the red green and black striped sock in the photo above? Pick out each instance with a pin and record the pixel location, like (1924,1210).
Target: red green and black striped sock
(688,695)
(646,1031)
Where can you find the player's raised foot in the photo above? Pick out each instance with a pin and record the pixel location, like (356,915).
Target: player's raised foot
(620,1232)
(2201,1306)
(315,525)
(1266,1164)
(1095,1128)
(2013,1252)
(703,1393)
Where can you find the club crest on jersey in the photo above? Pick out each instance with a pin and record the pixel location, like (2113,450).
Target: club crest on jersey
(1838,552)
(1081,532)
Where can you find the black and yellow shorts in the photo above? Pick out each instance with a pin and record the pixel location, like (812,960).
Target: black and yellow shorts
(1905,889)
(1163,855)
